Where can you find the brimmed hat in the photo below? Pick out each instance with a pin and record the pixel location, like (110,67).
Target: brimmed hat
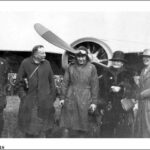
(146,53)
(118,56)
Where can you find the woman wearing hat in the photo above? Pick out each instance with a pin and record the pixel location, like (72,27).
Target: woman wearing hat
(143,117)
(80,90)
(116,84)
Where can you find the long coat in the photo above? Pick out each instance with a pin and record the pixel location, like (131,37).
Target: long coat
(143,116)
(41,91)
(80,89)
(3,82)
(115,117)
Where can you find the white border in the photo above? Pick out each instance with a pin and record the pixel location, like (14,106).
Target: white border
(75,143)
(75,6)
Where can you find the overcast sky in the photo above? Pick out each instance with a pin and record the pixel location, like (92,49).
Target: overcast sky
(122,25)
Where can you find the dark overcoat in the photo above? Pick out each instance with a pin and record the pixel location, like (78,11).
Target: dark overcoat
(3,82)
(41,90)
(114,113)
(80,89)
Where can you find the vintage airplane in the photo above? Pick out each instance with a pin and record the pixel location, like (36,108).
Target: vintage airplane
(98,51)
(101,32)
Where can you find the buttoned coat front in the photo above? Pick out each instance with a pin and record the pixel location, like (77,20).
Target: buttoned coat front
(80,89)
(115,116)
(41,91)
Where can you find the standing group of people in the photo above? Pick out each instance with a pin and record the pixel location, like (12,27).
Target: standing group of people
(83,95)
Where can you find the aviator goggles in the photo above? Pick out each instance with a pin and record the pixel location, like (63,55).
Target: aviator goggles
(81,53)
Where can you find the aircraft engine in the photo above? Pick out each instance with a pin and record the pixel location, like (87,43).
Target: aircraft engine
(98,51)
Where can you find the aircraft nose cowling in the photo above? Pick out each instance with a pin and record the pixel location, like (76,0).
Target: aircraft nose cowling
(98,52)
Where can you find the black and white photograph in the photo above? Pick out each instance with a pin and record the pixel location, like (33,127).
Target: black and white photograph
(74,74)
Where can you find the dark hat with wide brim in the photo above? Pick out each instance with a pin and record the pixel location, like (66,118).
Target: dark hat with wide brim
(118,56)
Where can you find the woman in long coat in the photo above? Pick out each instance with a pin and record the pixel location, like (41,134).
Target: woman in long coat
(116,84)
(80,90)
(142,127)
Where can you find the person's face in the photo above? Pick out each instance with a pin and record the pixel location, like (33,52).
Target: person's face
(117,64)
(40,54)
(81,59)
(146,61)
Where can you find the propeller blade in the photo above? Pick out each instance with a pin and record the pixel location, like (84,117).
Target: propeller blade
(55,40)
(52,38)
(101,64)
(103,60)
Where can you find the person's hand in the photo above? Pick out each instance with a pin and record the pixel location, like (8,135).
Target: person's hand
(135,106)
(102,111)
(62,102)
(93,107)
(115,88)
(137,80)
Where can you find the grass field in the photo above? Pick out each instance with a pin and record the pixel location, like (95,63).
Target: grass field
(10,117)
